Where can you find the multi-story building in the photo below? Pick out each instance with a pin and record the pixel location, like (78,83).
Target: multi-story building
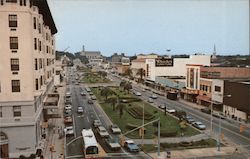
(27,48)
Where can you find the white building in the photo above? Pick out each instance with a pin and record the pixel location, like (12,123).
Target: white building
(173,66)
(27,49)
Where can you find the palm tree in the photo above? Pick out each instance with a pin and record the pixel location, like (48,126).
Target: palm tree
(128,86)
(120,107)
(113,101)
(141,73)
(122,84)
(106,91)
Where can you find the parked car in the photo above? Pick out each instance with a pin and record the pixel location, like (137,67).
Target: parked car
(206,110)
(90,93)
(153,96)
(115,129)
(150,100)
(97,123)
(143,90)
(102,132)
(170,110)
(69,131)
(162,106)
(79,109)
(218,115)
(131,146)
(76,83)
(199,125)
(68,107)
(68,120)
(138,93)
(90,101)
(189,119)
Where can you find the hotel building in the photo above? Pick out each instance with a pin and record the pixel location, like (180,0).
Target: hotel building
(27,49)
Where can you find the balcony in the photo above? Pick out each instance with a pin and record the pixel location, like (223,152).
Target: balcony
(51,107)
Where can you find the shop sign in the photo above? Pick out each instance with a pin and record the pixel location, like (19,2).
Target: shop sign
(163,62)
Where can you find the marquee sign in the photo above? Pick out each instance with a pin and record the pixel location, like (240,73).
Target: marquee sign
(162,62)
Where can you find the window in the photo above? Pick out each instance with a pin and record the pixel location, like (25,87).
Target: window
(16,111)
(37,85)
(11,1)
(47,49)
(35,44)
(12,20)
(40,46)
(1,114)
(40,64)
(1,2)
(15,85)
(14,64)
(39,28)
(36,65)
(34,19)
(13,43)
(217,88)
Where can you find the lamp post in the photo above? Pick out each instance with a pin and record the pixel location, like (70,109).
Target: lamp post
(219,131)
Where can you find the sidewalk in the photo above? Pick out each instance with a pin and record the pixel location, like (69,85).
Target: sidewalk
(193,153)
(57,126)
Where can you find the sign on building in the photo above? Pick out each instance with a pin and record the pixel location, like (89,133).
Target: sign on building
(162,62)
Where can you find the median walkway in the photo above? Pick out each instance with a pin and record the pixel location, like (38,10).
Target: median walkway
(174,139)
(194,153)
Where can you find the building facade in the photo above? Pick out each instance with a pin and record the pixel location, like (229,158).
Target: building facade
(173,66)
(27,68)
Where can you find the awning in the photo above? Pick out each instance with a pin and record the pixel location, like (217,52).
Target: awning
(204,98)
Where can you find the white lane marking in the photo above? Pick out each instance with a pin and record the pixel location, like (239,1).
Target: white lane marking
(88,119)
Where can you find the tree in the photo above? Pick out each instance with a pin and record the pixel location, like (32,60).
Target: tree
(106,91)
(141,73)
(120,107)
(122,84)
(113,101)
(128,72)
(128,86)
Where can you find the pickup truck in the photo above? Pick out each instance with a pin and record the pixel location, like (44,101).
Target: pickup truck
(131,146)
(112,144)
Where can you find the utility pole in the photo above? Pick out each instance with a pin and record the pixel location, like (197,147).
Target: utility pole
(142,125)
(159,133)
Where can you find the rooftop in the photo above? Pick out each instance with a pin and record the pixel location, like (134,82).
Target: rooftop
(47,16)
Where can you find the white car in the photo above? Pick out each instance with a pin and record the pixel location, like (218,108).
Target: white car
(102,132)
(153,96)
(68,107)
(69,130)
(80,109)
(138,93)
(199,125)
(170,110)
(150,100)
(115,129)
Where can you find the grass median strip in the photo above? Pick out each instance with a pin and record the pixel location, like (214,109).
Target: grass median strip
(169,126)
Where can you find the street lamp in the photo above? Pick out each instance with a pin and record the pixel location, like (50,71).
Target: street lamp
(211,122)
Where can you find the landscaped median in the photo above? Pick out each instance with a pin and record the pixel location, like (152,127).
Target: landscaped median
(128,114)
(94,77)
(204,143)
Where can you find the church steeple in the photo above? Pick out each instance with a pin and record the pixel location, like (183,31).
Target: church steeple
(214,53)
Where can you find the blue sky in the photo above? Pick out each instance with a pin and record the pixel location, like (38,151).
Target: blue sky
(146,26)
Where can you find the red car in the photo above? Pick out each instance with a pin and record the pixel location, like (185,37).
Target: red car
(68,120)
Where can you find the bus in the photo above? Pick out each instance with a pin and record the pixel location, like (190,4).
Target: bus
(90,145)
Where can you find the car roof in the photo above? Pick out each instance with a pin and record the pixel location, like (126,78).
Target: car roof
(130,141)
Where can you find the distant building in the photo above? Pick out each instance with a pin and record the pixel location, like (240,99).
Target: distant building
(27,69)
(125,61)
(91,54)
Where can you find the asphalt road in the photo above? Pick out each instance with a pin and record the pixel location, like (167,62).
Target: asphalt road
(91,112)
(230,130)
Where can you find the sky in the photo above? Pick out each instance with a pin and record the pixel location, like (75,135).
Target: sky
(152,26)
